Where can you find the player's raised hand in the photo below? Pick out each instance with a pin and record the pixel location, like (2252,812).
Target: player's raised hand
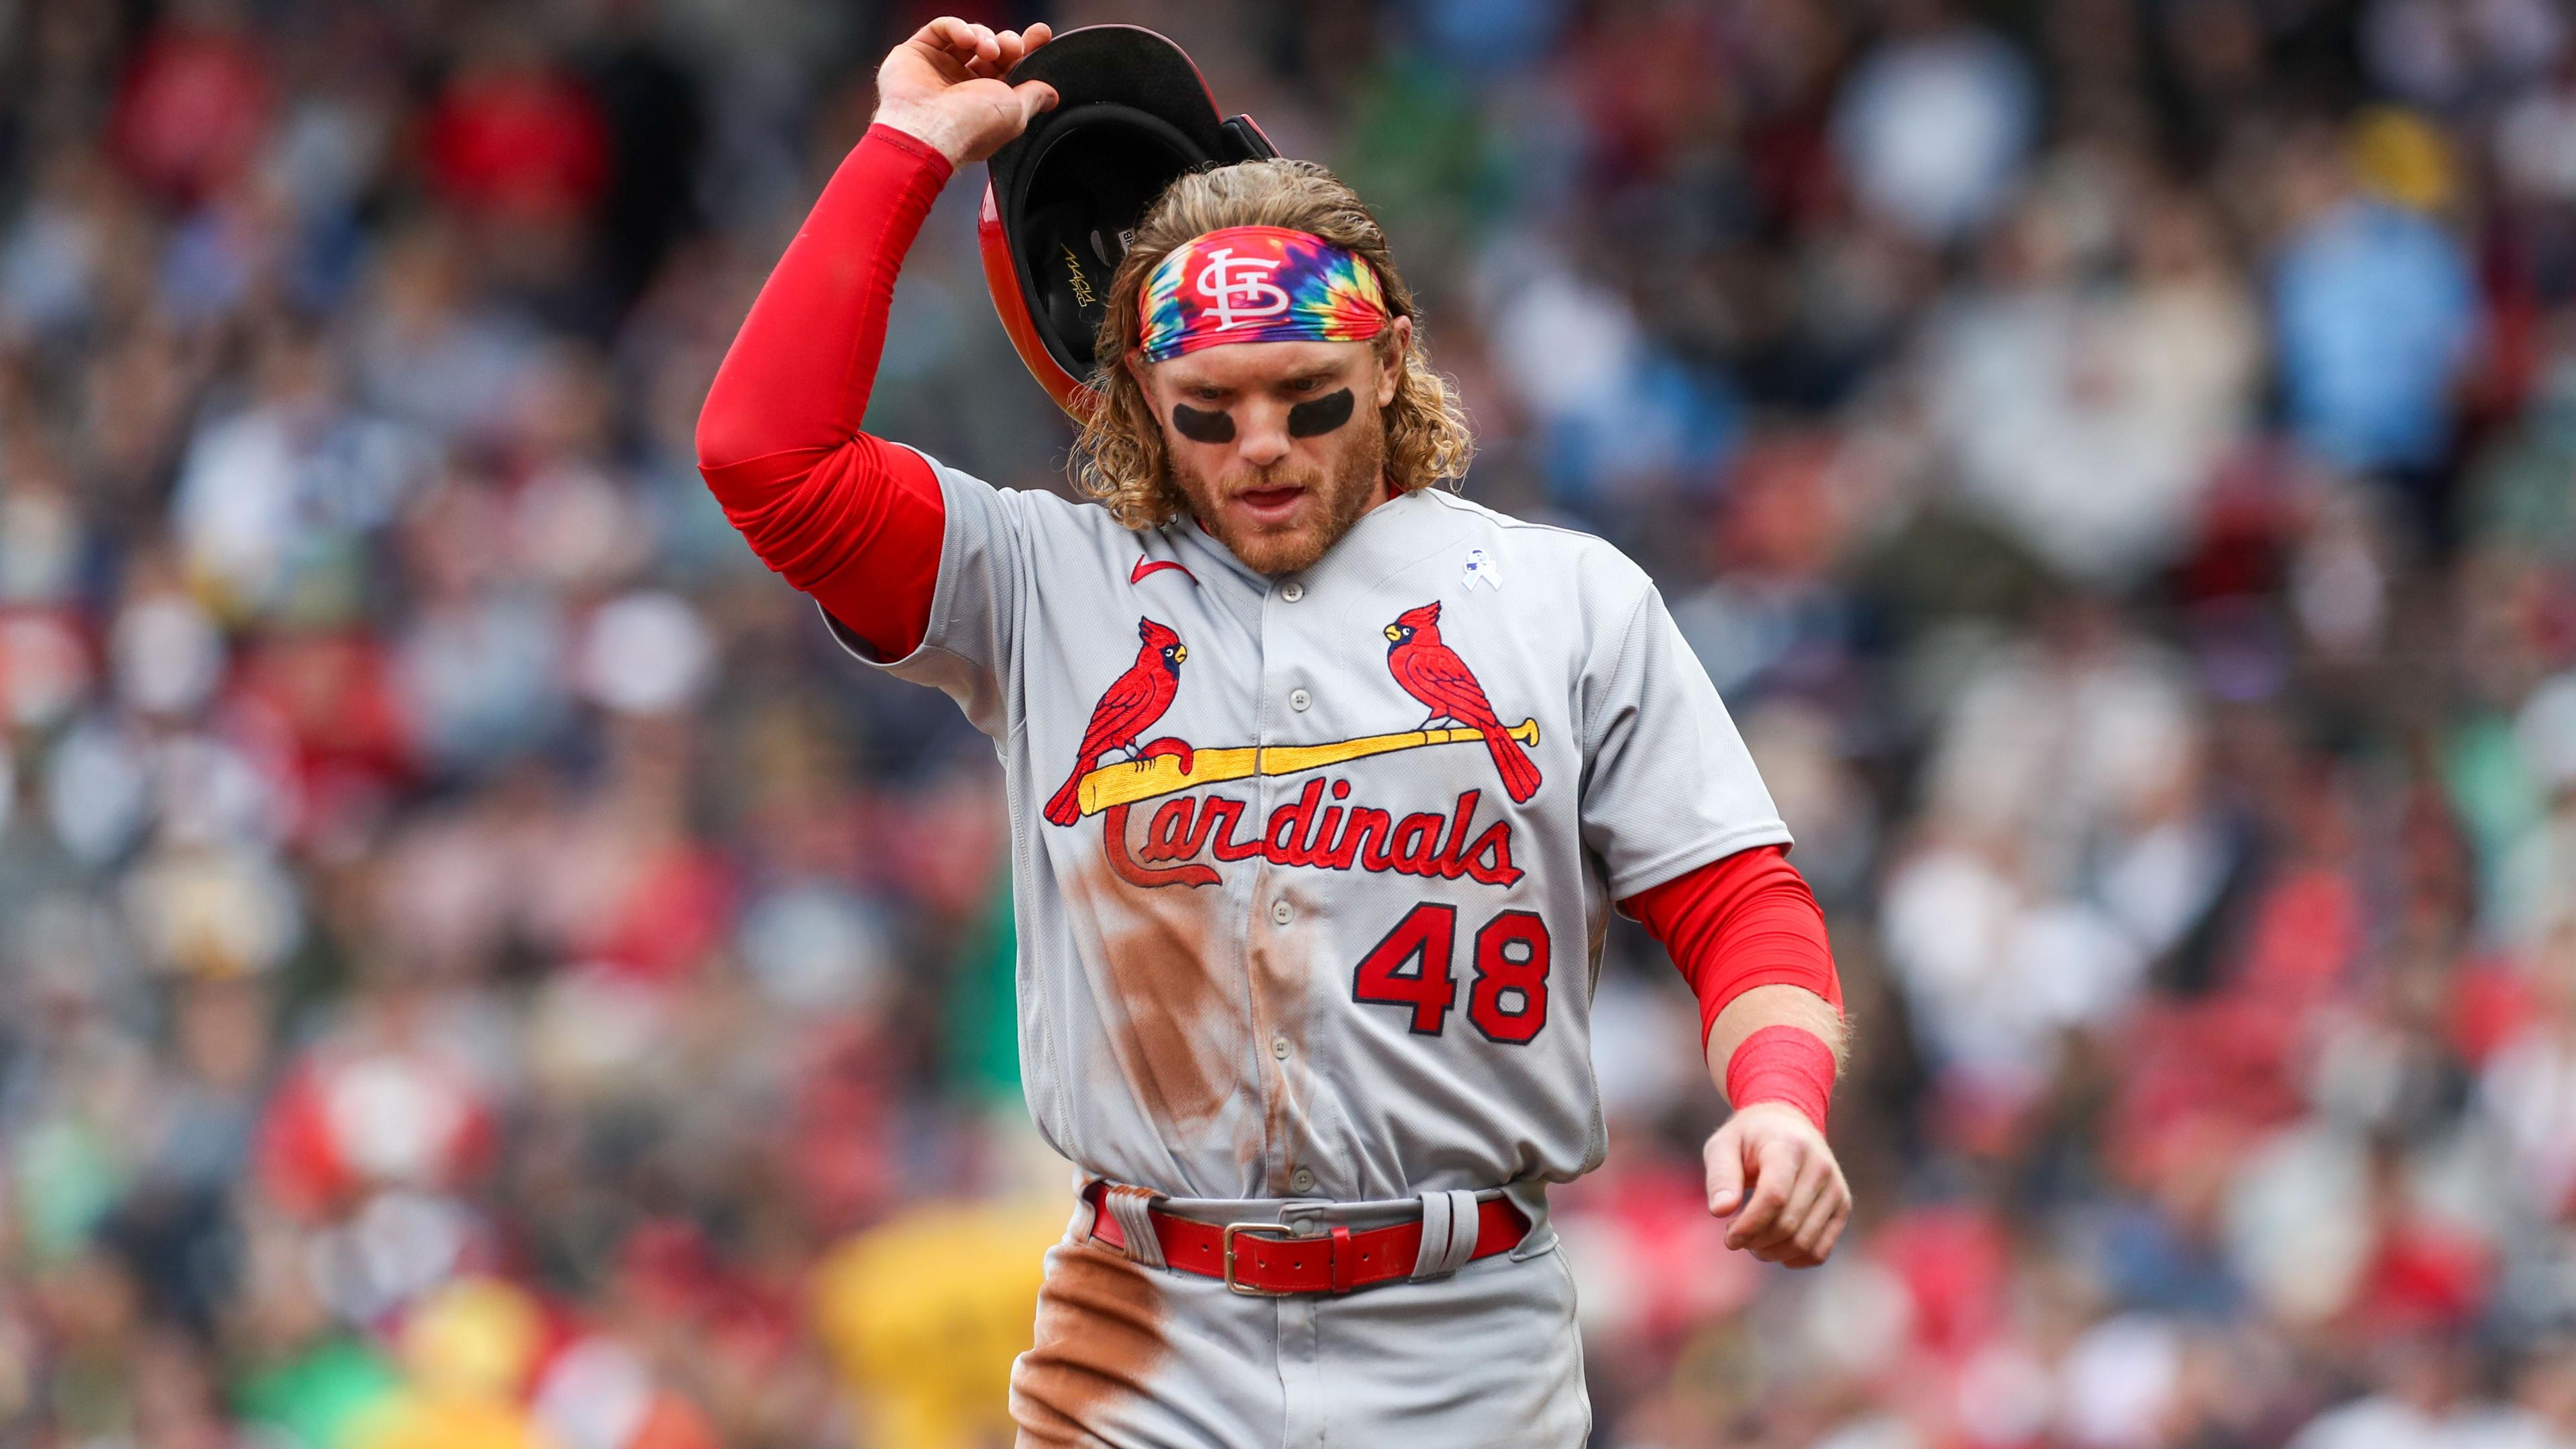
(1770,1170)
(945,86)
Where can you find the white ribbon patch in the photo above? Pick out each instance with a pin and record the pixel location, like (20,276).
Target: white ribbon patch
(1481,569)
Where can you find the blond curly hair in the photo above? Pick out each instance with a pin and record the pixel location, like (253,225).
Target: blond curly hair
(1118,457)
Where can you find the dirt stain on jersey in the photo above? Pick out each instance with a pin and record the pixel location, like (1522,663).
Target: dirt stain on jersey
(1099,1337)
(1177,1022)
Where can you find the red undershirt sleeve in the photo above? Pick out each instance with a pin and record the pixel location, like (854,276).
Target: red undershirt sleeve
(1738,922)
(851,519)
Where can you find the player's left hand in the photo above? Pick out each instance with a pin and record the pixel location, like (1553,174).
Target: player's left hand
(1771,1170)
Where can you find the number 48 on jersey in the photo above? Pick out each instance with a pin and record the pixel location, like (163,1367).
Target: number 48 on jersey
(1411,967)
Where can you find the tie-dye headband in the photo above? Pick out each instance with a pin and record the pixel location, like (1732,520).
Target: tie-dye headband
(1258,284)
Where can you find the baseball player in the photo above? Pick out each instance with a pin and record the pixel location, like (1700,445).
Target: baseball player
(1323,784)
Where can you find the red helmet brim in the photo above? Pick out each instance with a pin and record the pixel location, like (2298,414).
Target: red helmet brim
(1001,278)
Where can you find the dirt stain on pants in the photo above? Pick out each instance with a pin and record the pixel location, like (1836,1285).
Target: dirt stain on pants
(1099,1337)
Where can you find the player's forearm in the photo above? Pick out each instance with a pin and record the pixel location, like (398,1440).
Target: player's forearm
(1747,935)
(1738,923)
(798,374)
(854,521)
(1794,1007)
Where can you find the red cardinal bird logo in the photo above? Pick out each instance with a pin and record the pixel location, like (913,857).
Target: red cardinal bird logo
(1133,702)
(1433,673)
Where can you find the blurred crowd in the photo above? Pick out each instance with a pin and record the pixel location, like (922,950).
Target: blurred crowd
(477,969)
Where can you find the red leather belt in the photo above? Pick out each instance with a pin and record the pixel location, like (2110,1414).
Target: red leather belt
(1253,1262)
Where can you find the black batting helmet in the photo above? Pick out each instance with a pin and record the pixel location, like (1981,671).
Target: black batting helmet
(1132,114)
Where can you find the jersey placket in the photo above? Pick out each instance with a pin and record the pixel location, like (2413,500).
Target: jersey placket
(1284,928)
(1278,948)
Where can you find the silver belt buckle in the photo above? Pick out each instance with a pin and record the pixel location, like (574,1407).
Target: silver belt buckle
(1226,1241)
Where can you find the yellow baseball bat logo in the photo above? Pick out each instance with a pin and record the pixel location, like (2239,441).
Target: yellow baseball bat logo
(1129,781)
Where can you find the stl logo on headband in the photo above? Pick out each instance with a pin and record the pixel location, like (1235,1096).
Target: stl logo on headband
(1227,277)
(1257,284)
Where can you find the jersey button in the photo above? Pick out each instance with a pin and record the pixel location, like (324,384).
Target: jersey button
(1292,591)
(1279,1047)
(1303,1180)
(1281,913)
(1298,699)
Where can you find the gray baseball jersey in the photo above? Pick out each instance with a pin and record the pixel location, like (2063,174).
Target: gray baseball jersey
(1311,872)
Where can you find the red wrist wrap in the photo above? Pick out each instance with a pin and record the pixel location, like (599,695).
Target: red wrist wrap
(1782,1064)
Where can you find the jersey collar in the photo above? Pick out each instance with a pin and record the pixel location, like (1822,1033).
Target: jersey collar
(1388,537)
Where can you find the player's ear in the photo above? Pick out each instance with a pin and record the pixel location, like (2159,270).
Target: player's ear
(1391,357)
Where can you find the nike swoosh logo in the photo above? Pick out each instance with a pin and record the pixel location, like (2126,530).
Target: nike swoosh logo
(1146,566)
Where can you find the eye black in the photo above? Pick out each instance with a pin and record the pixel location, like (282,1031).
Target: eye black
(1323,415)
(1206,427)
